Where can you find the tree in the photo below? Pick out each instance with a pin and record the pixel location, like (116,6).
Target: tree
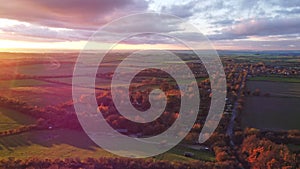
(263,153)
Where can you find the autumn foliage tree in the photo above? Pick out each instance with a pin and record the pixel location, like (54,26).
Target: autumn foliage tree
(262,153)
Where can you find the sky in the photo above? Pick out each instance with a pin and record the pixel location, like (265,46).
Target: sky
(229,25)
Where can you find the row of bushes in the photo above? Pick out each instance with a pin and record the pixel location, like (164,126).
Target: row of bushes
(18,130)
(108,163)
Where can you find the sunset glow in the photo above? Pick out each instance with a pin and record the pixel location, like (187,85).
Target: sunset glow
(49,26)
(149,84)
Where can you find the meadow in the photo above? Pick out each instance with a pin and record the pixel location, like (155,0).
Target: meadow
(276,79)
(66,143)
(11,119)
(47,82)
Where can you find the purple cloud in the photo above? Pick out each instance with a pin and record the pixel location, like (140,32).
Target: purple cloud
(69,13)
(259,27)
(183,10)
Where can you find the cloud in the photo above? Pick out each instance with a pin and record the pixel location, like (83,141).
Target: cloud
(144,23)
(69,13)
(42,33)
(285,3)
(259,27)
(150,39)
(223,22)
(181,10)
(289,12)
(75,20)
(259,45)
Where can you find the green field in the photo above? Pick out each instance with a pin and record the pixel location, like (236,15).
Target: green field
(276,79)
(294,148)
(267,59)
(50,144)
(10,119)
(278,111)
(22,83)
(64,143)
(46,69)
(58,143)
(177,152)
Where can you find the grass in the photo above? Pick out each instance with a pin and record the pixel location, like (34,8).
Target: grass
(51,144)
(276,79)
(177,154)
(46,69)
(22,83)
(10,119)
(279,111)
(40,95)
(294,148)
(269,59)
(64,143)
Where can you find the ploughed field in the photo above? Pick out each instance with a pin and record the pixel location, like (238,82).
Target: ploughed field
(276,108)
